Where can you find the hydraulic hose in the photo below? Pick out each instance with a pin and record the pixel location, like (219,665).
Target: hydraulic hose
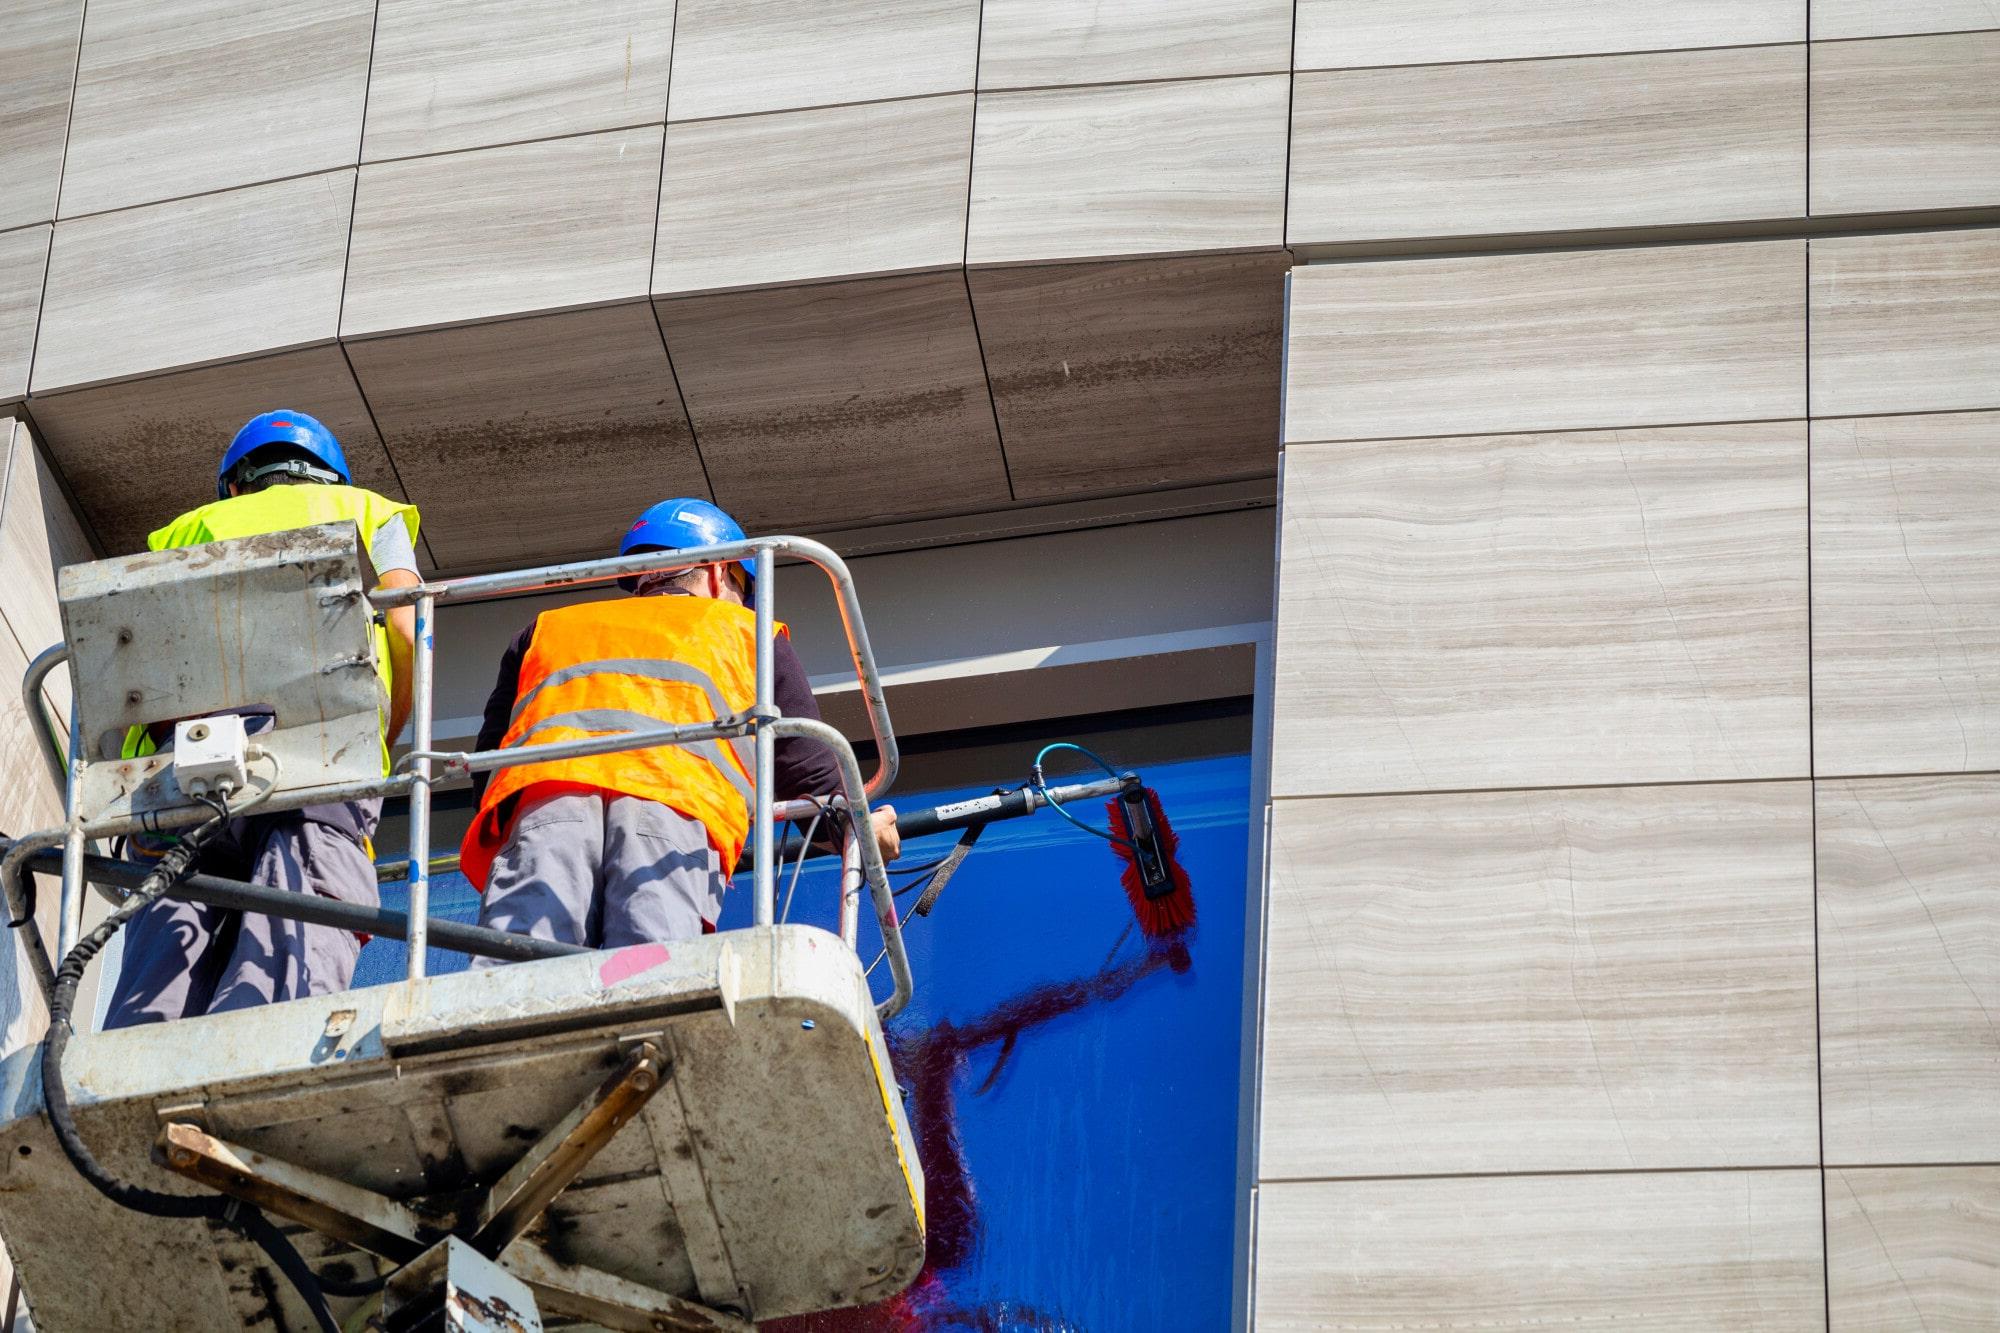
(176,865)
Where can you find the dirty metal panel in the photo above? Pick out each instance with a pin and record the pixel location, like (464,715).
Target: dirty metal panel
(685,1193)
(482,1297)
(279,621)
(437,1127)
(329,1205)
(334,1259)
(452,1288)
(259,1297)
(806,1165)
(839,1233)
(396,1168)
(617,1223)
(566,1150)
(497,1125)
(580,993)
(605,1300)
(74,1250)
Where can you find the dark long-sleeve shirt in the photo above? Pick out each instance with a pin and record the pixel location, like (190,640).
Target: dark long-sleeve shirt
(805,768)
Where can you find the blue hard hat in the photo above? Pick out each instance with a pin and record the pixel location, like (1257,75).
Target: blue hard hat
(293,429)
(673,524)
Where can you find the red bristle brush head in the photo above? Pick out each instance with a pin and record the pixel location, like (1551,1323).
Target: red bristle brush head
(1165,906)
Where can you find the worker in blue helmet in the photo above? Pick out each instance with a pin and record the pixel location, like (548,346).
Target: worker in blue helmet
(673,524)
(633,848)
(283,470)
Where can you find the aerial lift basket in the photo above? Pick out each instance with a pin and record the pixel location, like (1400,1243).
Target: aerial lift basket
(690,1135)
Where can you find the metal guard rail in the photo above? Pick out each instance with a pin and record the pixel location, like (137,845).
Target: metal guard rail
(415,774)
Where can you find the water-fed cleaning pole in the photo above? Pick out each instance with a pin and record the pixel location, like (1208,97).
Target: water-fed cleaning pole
(1161,896)
(956,815)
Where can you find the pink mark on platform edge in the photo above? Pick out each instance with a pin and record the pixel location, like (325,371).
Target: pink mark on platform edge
(630,962)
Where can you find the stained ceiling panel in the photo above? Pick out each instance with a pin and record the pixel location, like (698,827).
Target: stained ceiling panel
(139,452)
(532,440)
(1135,374)
(840,403)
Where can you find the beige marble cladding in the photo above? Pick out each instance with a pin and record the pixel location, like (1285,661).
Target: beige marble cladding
(1873,18)
(802,195)
(24,261)
(37,70)
(1133,169)
(1692,1252)
(446,76)
(1543,610)
(481,418)
(732,57)
(1906,593)
(28,800)
(503,231)
(1582,980)
(881,411)
(1149,372)
(172,430)
(1523,342)
(196,280)
(1904,124)
(39,534)
(1038,43)
(1548,145)
(1913,1247)
(1337,34)
(1906,322)
(200,95)
(1909,969)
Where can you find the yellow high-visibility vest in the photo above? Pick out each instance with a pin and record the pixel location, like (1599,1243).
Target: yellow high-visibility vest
(278,509)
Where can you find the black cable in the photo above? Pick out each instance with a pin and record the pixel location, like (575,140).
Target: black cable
(360,1286)
(922,867)
(174,866)
(798,867)
(177,863)
(286,1257)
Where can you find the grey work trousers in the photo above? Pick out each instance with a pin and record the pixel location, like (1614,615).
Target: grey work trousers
(182,959)
(604,871)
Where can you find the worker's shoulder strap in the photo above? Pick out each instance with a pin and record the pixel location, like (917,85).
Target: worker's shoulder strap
(278,508)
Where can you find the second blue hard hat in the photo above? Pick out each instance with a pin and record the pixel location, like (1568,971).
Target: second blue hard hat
(293,429)
(672,525)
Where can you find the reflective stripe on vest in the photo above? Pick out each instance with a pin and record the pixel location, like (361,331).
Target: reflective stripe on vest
(279,509)
(658,668)
(631,664)
(616,721)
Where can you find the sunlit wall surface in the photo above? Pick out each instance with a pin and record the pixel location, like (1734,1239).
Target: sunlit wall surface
(1073,1088)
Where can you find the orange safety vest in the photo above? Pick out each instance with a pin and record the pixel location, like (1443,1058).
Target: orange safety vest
(602,667)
